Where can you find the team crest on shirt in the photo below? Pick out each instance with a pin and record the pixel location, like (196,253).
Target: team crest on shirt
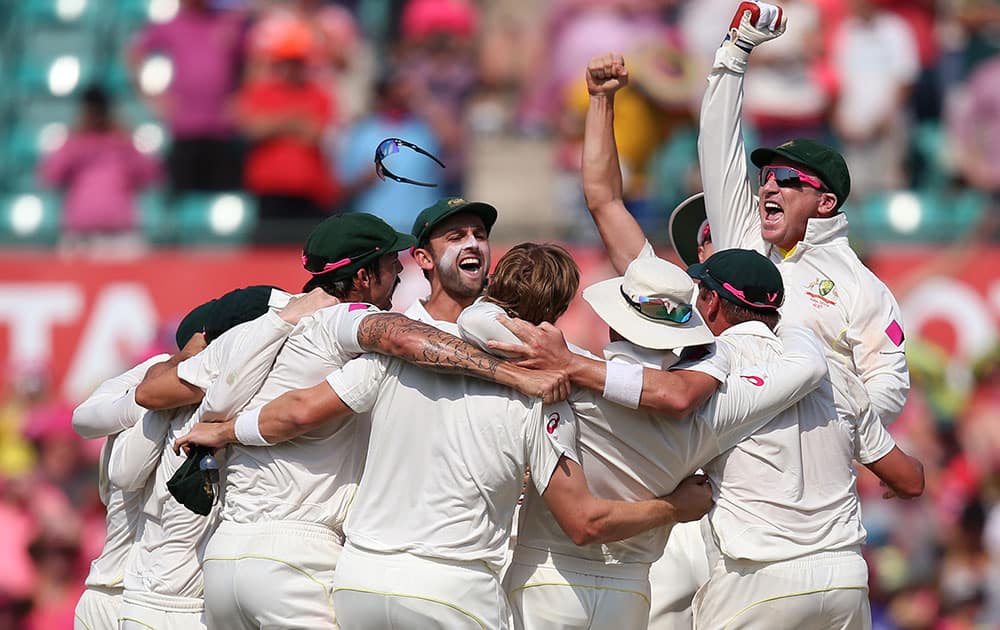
(822,292)
(552,422)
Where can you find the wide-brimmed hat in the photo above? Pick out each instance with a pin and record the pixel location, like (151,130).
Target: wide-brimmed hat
(687,227)
(651,306)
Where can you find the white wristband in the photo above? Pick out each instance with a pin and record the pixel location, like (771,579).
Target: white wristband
(247,428)
(623,384)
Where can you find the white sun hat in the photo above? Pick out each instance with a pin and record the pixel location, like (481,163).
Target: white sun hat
(650,304)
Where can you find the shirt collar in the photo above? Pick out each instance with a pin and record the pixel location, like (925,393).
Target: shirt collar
(819,231)
(751,328)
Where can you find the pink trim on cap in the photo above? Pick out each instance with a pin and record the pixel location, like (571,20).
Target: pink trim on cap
(704,232)
(328,267)
(743,298)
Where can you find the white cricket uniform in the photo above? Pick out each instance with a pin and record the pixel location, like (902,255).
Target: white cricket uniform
(634,454)
(428,531)
(827,288)
(163,577)
(785,533)
(271,561)
(109,410)
(418,312)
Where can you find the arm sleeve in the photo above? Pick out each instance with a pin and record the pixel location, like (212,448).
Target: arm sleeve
(250,353)
(112,407)
(873,441)
(543,447)
(338,327)
(478,324)
(359,381)
(137,451)
(753,395)
(878,345)
(729,198)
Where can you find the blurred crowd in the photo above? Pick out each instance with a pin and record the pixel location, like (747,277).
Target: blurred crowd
(286,102)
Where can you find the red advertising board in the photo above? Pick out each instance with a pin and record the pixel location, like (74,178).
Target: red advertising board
(83,319)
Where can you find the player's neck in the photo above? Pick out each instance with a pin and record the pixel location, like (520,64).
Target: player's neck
(445,307)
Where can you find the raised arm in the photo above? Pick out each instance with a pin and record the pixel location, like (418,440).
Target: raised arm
(112,406)
(729,197)
(602,175)
(588,520)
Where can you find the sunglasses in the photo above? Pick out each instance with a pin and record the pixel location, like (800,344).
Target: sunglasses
(659,308)
(391,145)
(788,177)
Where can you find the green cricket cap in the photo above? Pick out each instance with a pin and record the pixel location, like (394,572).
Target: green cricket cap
(193,484)
(444,208)
(824,161)
(220,314)
(743,277)
(344,243)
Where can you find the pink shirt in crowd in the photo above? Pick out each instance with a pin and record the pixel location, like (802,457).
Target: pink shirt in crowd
(100,174)
(204,47)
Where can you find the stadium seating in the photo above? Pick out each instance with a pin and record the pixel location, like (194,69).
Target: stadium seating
(29,219)
(214,218)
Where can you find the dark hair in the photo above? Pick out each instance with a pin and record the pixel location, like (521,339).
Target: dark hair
(534,282)
(737,314)
(340,288)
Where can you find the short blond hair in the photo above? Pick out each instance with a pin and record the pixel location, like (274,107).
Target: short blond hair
(535,282)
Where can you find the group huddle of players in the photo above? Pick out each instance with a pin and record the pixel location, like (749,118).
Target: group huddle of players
(316,461)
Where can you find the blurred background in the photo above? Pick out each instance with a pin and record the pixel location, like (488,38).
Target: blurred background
(157,153)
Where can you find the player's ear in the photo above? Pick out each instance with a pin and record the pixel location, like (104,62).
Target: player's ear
(423,258)
(827,204)
(362,279)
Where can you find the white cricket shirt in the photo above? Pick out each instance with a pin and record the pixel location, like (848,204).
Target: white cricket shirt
(827,288)
(634,454)
(313,477)
(446,459)
(789,490)
(110,409)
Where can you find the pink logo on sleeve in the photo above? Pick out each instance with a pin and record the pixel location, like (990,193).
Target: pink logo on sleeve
(756,381)
(553,422)
(895,333)
(356,306)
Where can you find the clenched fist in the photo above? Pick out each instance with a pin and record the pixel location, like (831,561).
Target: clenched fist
(606,75)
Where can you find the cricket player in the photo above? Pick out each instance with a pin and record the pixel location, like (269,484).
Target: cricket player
(785,534)
(163,579)
(797,220)
(635,454)
(427,548)
(109,410)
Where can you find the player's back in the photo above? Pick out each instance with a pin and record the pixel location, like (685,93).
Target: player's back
(445,461)
(788,490)
(312,478)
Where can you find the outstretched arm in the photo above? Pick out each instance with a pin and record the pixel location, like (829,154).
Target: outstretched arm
(729,198)
(112,406)
(602,174)
(588,520)
(399,336)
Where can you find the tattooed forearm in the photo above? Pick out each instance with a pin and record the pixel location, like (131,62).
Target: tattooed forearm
(424,345)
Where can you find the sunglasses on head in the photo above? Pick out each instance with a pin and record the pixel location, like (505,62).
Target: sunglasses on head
(789,177)
(391,145)
(659,308)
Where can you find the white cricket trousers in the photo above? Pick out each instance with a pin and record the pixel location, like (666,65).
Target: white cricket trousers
(270,575)
(676,577)
(551,590)
(384,591)
(98,609)
(821,591)
(149,611)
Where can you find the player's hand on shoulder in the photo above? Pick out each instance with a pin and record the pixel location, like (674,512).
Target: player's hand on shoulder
(542,347)
(692,498)
(606,74)
(305,305)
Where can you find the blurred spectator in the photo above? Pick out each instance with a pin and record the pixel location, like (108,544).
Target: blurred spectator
(204,46)
(99,170)
(437,51)
(393,116)
(875,60)
(285,115)
(783,95)
(974,125)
